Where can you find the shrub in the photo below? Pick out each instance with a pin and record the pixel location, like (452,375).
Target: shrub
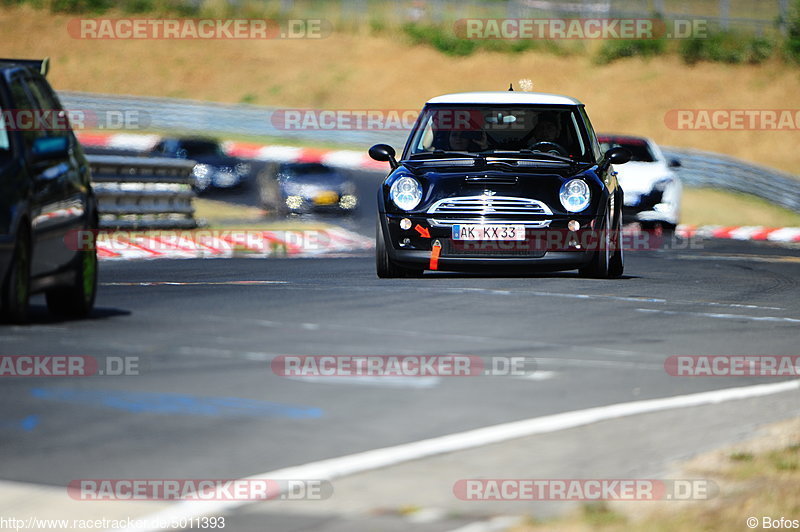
(79,6)
(726,47)
(439,38)
(792,43)
(618,49)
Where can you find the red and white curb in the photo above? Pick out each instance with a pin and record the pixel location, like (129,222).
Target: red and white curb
(768,234)
(196,244)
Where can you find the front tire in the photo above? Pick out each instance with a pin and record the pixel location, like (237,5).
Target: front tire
(617,265)
(16,286)
(600,265)
(77,301)
(385,268)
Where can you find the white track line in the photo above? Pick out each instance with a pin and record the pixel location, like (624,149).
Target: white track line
(389,456)
(719,316)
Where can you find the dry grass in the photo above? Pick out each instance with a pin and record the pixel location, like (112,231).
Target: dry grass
(364,71)
(757,478)
(216,212)
(702,206)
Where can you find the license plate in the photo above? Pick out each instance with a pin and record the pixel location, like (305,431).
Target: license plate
(326,198)
(488,232)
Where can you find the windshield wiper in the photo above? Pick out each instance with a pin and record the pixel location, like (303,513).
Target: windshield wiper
(456,153)
(533,154)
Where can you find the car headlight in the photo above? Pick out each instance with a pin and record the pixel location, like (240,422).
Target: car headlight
(575,195)
(406,193)
(202,176)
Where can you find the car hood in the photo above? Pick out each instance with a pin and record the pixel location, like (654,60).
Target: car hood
(542,183)
(639,177)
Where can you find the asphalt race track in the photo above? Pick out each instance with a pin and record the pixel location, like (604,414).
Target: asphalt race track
(201,334)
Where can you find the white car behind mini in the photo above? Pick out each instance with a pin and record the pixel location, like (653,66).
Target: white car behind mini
(652,188)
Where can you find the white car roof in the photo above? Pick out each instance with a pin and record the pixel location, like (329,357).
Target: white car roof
(505,97)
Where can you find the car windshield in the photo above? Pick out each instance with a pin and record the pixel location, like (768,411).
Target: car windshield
(199,148)
(640,150)
(304,169)
(450,131)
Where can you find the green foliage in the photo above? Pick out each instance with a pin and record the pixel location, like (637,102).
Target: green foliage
(791,46)
(732,47)
(621,48)
(441,39)
(446,41)
(79,6)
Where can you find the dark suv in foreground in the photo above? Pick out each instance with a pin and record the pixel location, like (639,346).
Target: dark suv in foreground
(48,212)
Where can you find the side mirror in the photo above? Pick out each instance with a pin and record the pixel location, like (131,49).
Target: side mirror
(383,153)
(675,163)
(45,148)
(618,155)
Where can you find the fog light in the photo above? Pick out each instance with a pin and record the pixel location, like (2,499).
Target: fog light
(405,224)
(573,225)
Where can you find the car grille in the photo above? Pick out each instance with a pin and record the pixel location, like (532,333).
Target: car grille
(489,209)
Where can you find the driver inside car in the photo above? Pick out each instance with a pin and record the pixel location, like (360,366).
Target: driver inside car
(468,140)
(546,131)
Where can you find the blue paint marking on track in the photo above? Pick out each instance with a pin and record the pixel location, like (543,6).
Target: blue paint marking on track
(175,403)
(27,424)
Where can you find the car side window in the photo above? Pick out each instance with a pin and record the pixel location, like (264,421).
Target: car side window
(58,126)
(21,101)
(5,142)
(598,154)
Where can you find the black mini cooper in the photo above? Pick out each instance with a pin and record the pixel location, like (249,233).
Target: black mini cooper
(500,180)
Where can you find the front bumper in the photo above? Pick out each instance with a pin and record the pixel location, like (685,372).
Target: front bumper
(552,247)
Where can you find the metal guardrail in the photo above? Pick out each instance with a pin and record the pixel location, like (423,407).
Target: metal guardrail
(143,193)
(707,169)
(126,114)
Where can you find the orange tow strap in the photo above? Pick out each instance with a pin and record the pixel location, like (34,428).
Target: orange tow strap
(435,251)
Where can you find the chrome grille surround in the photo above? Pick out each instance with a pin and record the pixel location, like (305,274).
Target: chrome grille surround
(488,209)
